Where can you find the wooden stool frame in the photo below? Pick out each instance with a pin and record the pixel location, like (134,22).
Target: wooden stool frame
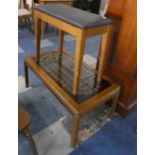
(80,34)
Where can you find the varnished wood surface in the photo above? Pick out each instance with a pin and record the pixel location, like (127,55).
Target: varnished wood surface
(101,56)
(37,38)
(79,52)
(127,40)
(116,7)
(23,119)
(121,56)
(61,41)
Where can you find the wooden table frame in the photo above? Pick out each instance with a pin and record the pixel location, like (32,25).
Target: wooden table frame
(77,110)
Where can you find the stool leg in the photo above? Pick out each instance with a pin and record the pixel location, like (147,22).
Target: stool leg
(37,38)
(101,57)
(33,146)
(80,45)
(26,75)
(61,37)
(75,128)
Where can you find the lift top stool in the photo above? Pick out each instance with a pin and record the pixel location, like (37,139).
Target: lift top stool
(79,87)
(76,22)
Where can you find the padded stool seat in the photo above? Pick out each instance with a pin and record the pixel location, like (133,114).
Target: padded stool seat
(74,16)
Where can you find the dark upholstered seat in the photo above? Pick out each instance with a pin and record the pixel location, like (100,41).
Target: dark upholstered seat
(74,16)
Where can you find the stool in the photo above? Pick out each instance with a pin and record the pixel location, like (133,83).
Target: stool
(23,126)
(78,23)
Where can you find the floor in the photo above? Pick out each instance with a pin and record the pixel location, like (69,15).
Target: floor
(117,137)
(114,137)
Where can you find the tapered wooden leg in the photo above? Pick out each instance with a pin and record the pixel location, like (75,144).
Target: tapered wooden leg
(75,129)
(101,57)
(114,104)
(32,143)
(61,37)
(37,38)
(80,45)
(26,75)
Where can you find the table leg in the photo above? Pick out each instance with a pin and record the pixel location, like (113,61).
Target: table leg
(114,104)
(32,143)
(80,45)
(101,57)
(75,129)
(61,37)
(37,38)
(26,75)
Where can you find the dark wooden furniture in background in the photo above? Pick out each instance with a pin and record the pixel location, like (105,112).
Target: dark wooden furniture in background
(121,55)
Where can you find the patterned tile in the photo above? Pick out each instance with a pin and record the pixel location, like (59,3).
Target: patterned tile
(69,38)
